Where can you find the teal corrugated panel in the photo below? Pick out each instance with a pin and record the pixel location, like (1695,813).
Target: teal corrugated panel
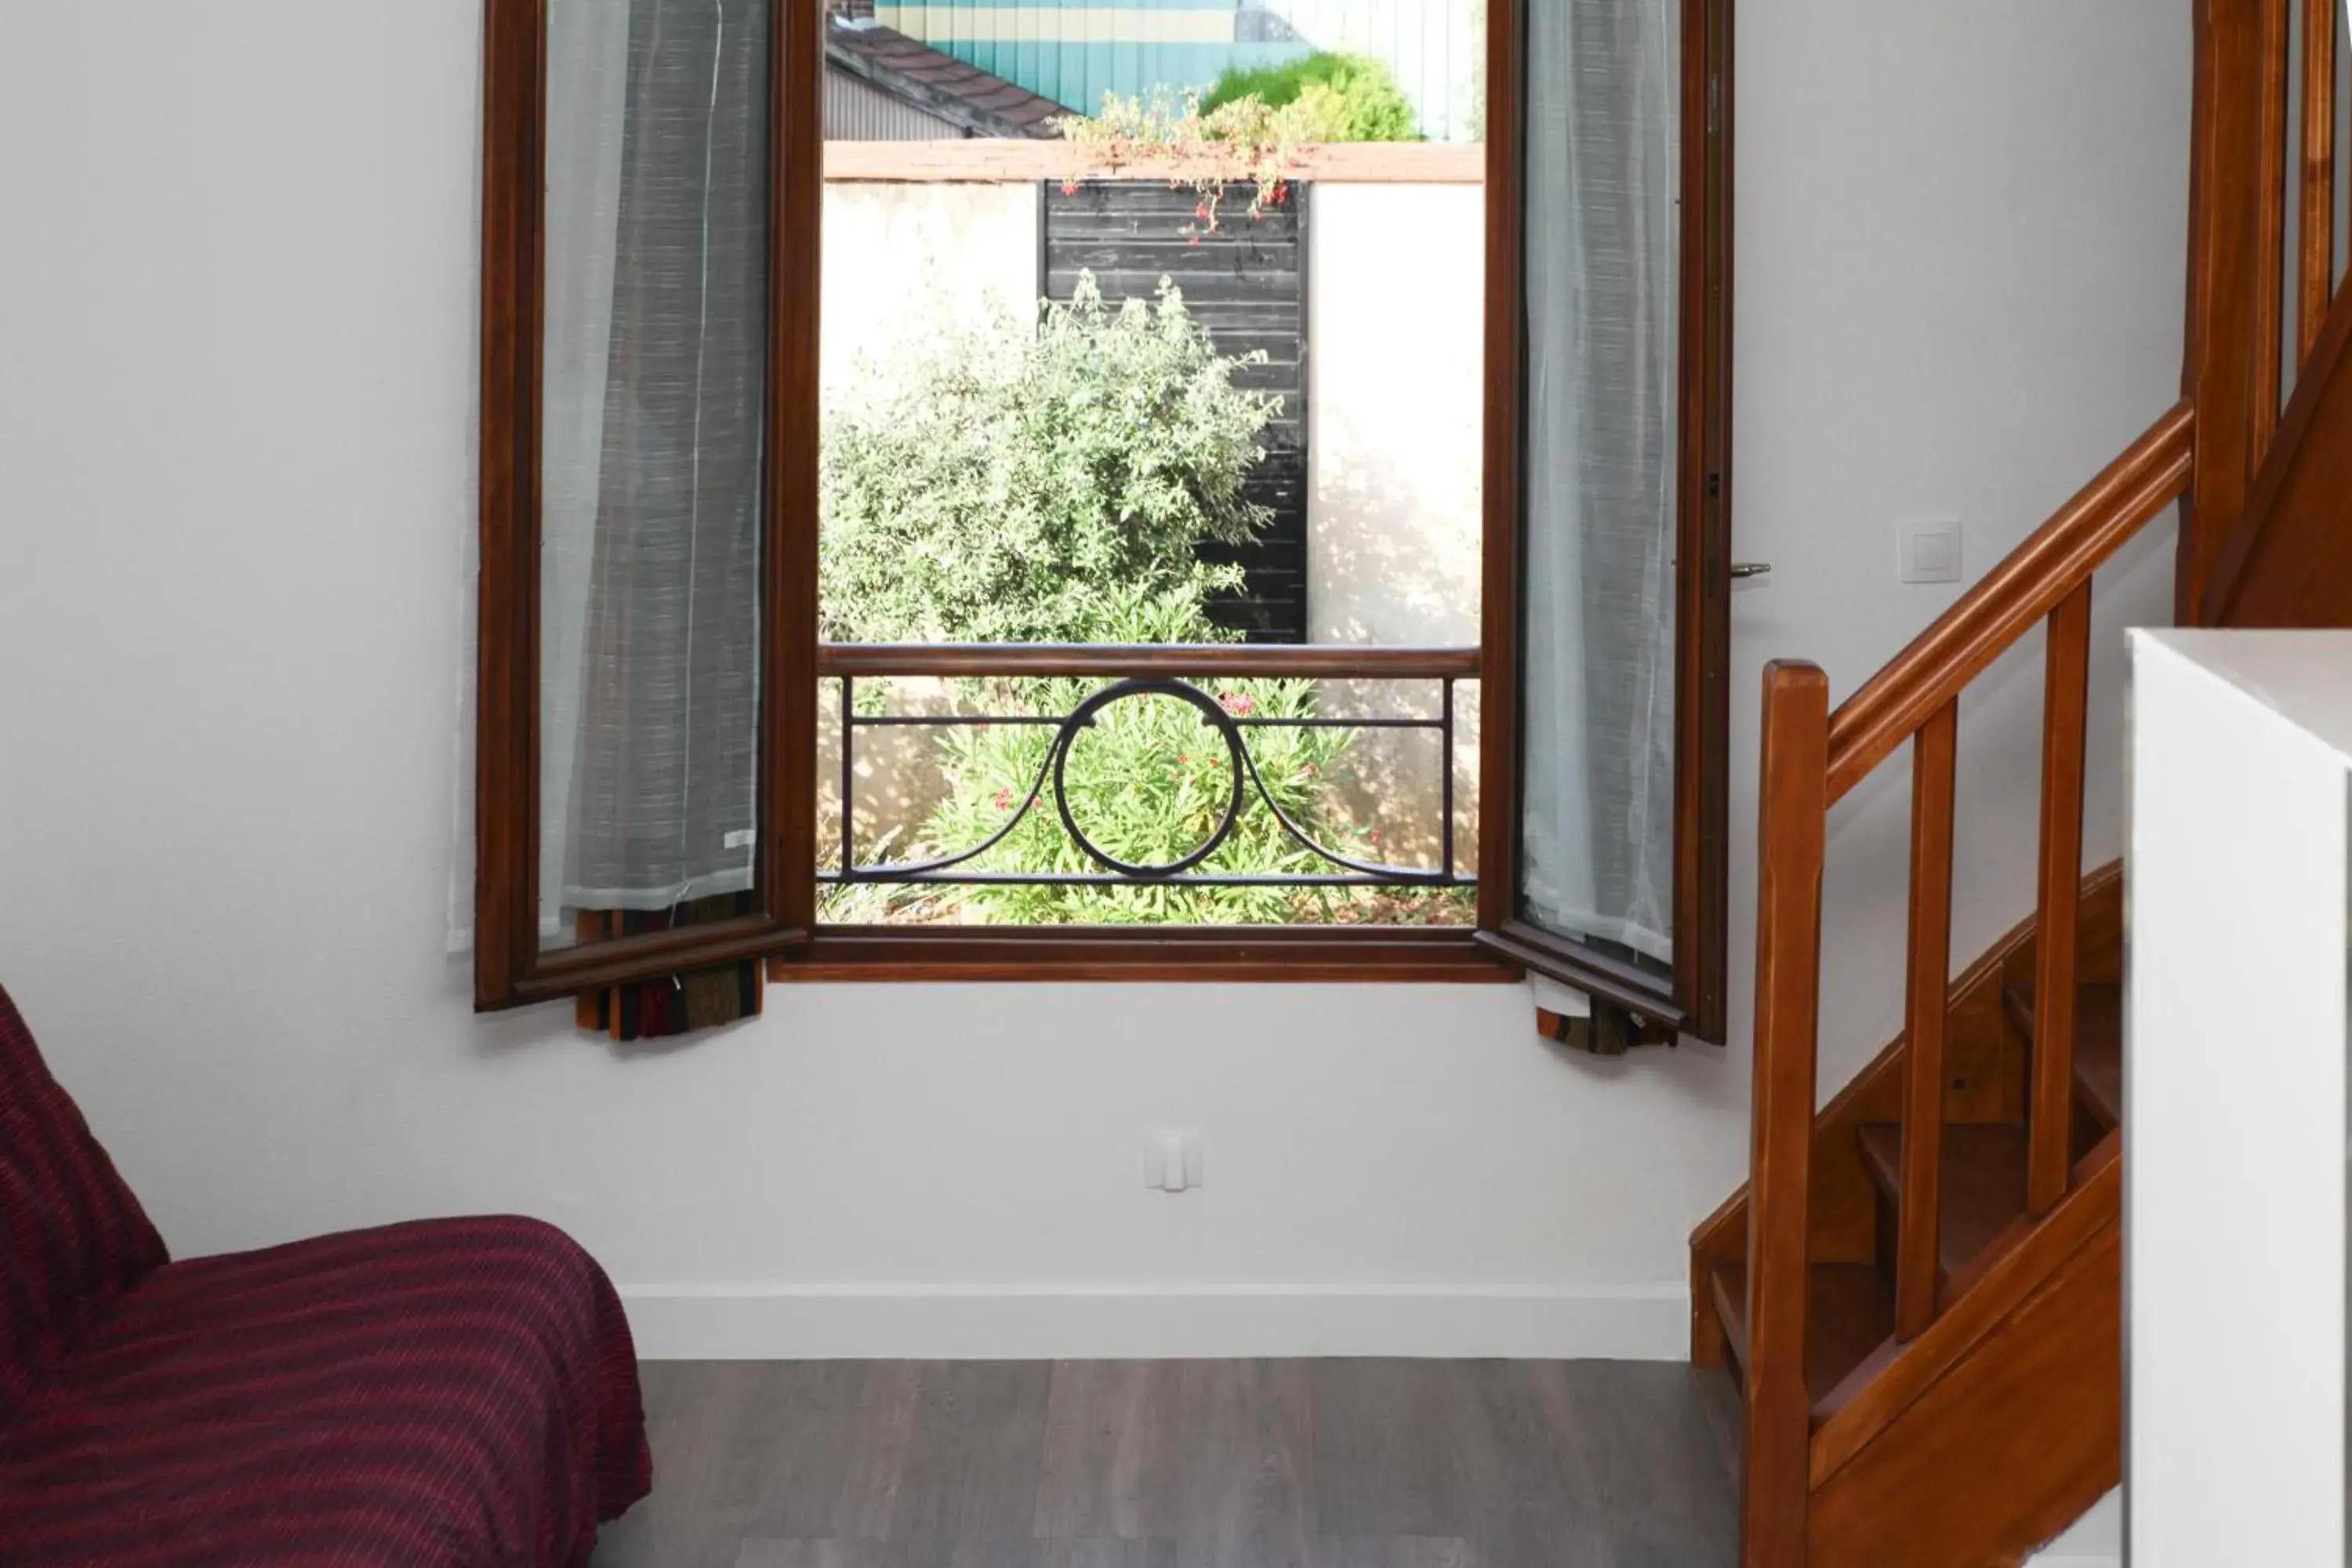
(1064,50)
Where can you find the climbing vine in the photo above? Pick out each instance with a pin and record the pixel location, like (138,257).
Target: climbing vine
(1243,142)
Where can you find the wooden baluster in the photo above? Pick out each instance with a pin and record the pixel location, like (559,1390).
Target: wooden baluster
(2050,1099)
(2316,286)
(1916,1227)
(1790,839)
(2270,232)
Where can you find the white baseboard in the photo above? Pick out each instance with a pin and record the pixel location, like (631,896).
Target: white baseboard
(802,1323)
(2096,1539)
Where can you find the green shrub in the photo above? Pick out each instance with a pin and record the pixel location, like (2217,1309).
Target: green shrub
(1020,474)
(1148,781)
(1345,97)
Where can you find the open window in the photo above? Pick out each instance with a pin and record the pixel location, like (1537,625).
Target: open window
(1608,520)
(642,773)
(684,726)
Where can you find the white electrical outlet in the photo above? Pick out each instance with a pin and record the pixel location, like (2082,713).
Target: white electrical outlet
(1171,1159)
(1928,551)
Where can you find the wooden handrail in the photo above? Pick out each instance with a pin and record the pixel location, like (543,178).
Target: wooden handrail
(1328,661)
(2058,557)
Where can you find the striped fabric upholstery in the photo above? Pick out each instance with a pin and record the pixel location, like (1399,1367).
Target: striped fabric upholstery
(72,1236)
(445,1394)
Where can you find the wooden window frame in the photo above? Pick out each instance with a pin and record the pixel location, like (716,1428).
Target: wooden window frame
(510,968)
(1691,1001)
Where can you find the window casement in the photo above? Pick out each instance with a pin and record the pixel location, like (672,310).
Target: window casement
(651,678)
(1618,886)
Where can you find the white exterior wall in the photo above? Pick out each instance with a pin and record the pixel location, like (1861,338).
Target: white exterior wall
(1395,445)
(901,261)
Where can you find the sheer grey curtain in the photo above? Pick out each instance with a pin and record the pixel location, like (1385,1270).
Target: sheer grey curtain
(1604,122)
(652,454)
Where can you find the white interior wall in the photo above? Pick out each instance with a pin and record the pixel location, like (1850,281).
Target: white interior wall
(237,434)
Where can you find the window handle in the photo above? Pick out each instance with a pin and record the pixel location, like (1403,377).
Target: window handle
(1750,568)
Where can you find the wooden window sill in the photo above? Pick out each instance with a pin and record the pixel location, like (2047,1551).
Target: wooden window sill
(1275,954)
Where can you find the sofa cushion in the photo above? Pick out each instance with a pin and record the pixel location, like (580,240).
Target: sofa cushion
(446,1394)
(72,1236)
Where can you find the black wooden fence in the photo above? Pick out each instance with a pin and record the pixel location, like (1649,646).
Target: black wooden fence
(1246,283)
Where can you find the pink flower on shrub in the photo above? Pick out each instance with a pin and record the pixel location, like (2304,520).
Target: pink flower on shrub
(1070,187)
(1004,800)
(1239,703)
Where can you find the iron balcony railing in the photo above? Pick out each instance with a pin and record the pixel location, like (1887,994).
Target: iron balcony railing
(1128,672)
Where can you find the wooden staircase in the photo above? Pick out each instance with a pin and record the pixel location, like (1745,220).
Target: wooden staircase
(1919,1289)
(1883,1455)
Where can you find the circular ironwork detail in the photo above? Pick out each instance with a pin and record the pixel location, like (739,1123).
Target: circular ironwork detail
(1212,714)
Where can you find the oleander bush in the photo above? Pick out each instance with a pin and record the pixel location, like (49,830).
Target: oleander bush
(1020,472)
(1148,780)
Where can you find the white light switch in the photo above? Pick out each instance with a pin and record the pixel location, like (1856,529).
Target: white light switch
(1929,551)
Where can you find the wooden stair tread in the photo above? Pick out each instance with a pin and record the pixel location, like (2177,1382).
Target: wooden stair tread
(1984,1182)
(1851,1312)
(2098,1045)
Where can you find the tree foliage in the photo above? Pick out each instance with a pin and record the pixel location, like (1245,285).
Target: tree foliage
(1339,98)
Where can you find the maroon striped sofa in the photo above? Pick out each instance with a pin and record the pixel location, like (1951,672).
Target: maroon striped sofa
(448,1394)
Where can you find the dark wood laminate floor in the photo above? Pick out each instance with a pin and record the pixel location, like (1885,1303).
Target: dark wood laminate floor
(1225,1463)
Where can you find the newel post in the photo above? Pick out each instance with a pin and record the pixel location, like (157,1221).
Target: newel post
(2235,223)
(1790,847)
